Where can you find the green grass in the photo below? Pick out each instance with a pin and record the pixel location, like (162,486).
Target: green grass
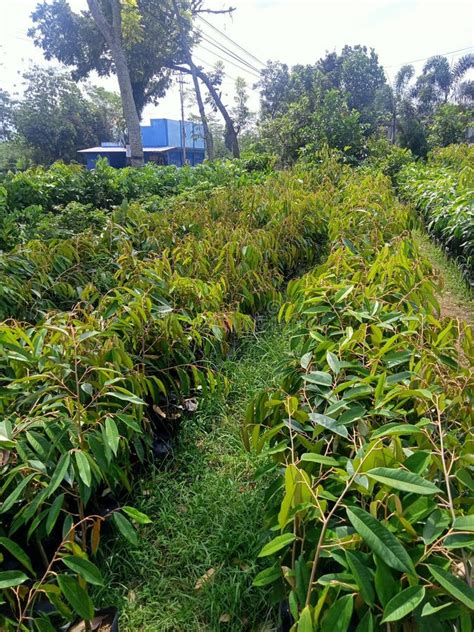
(457,296)
(207,513)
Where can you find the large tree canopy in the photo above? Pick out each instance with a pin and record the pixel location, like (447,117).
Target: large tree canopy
(151,45)
(55,119)
(355,72)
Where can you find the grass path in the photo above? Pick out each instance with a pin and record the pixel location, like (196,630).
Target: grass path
(456,298)
(194,566)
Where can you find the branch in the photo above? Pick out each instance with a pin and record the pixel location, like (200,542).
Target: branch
(197,4)
(215,11)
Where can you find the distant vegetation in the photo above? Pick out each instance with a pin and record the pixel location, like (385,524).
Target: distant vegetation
(443,192)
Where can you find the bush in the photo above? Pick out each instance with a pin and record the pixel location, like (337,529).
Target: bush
(125,326)
(369,516)
(443,193)
(386,158)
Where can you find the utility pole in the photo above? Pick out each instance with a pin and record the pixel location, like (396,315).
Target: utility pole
(183,125)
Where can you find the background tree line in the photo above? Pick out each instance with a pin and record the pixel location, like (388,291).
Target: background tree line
(342,100)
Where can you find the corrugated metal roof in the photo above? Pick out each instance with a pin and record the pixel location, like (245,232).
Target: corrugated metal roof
(109,150)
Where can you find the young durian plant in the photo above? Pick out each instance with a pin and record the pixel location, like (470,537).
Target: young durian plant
(122,324)
(370,503)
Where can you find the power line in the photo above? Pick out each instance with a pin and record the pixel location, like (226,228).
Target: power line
(227,51)
(208,63)
(227,61)
(254,70)
(215,40)
(414,61)
(259,61)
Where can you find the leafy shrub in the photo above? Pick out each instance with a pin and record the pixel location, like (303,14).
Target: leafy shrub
(370,494)
(384,157)
(454,156)
(444,196)
(127,325)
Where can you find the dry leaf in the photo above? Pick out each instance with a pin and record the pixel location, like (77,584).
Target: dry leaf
(158,411)
(191,404)
(204,579)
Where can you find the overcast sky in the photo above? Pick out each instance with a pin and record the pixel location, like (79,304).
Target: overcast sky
(292,31)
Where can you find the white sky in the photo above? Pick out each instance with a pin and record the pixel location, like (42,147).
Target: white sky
(292,31)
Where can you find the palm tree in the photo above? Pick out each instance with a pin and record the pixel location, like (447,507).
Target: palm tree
(399,94)
(439,83)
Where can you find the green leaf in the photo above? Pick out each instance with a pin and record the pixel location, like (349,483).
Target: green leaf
(305,622)
(311,457)
(353,414)
(130,421)
(395,429)
(403,603)
(464,523)
(59,473)
(428,609)
(85,569)
(459,541)
(112,434)
(267,576)
(343,293)
(136,515)
(277,544)
(87,388)
(367,623)
(83,467)
(76,596)
(125,527)
(380,540)
(53,513)
(15,549)
(319,377)
(126,397)
(333,362)
(453,585)
(16,493)
(362,576)
(330,424)
(386,586)
(8,579)
(338,616)
(403,480)
(5,442)
(435,524)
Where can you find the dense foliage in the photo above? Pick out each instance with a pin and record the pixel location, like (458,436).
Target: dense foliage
(443,192)
(55,118)
(370,496)
(63,200)
(113,319)
(124,327)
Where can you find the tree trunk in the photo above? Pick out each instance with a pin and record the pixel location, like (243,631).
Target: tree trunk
(202,113)
(394,126)
(112,34)
(230,129)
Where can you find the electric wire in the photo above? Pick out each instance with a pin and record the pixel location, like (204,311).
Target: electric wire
(259,61)
(414,61)
(227,61)
(254,70)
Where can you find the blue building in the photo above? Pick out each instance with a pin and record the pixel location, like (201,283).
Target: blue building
(162,144)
